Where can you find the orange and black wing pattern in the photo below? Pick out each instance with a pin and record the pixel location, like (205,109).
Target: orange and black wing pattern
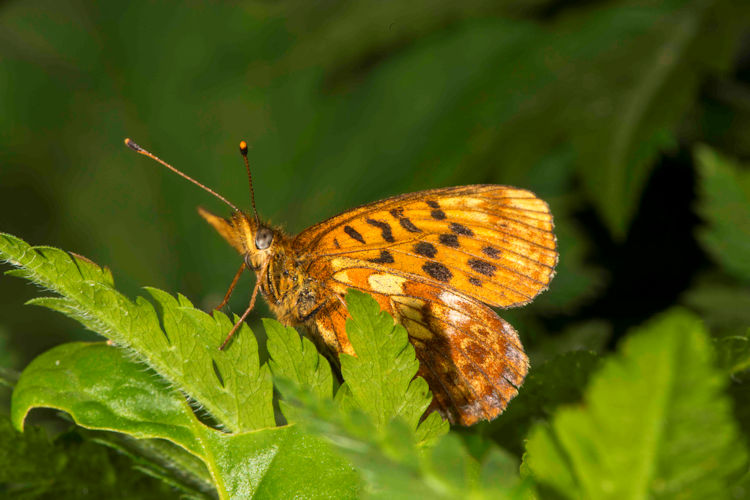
(437,260)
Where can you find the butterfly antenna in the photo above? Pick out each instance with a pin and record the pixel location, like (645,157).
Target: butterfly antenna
(243,151)
(135,147)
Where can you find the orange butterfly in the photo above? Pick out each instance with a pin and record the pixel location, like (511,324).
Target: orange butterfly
(437,260)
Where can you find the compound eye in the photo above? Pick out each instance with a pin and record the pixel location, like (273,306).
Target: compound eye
(263,238)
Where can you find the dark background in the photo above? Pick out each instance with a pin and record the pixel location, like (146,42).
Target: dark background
(596,106)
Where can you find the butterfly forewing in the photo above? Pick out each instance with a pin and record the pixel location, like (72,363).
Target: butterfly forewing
(493,243)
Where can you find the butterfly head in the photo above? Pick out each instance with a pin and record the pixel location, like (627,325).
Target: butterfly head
(253,239)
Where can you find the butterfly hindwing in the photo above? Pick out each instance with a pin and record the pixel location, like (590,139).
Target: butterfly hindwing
(472,359)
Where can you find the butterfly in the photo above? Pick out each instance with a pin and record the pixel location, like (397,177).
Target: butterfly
(439,261)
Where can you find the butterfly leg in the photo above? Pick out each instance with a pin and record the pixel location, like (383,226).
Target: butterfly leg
(231,333)
(231,287)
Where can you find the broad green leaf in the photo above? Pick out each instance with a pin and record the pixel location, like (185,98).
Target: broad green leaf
(725,207)
(367,425)
(295,358)
(655,423)
(232,379)
(230,384)
(393,465)
(102,388)
(280,463)
(381,380)
(645,83)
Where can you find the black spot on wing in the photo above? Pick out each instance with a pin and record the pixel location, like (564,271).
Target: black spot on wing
(475,281)
(436,212)
(385,258)
(354,234)
(482,266)
(449,240)
(491,252)
(385,229)
(461,229)
(437,271)
(425,249)
(409,225)
(398,214)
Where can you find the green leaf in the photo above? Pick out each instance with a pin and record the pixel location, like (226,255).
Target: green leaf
(230,384)
(238,387)
(393,465)
(101,388)
(651,77)
(642,430)
(380,380)
(725,206)
(280,463)
(366,421)
(295,358)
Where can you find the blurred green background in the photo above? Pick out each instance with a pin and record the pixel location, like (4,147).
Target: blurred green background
(597,106)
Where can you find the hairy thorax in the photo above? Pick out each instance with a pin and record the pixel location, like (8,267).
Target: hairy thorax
(293,296)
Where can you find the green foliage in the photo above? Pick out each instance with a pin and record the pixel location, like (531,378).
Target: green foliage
(32,466)
(640,431)
(595,106)
(557,382)
(655,422)
(725,207)
(381,379)
(183,351)
(380,382)
(647,85)
(104,387)
(396,461)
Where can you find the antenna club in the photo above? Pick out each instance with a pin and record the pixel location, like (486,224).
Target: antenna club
(135,147)
(243,148)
